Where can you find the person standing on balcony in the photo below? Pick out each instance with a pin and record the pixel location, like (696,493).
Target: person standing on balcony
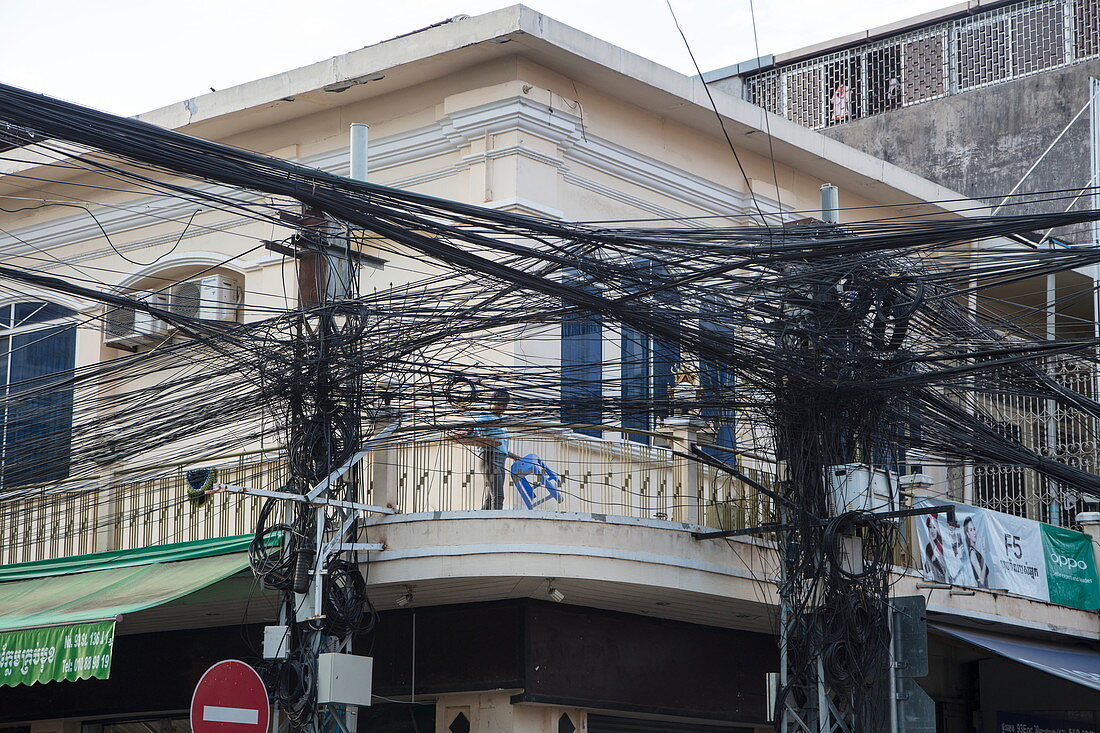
(492,437)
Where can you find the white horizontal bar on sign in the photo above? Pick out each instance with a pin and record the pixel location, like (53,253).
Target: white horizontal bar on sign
(216,714)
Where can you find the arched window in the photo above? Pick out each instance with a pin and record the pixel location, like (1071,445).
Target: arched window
(37,354)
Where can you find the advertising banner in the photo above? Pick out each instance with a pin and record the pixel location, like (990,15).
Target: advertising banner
(996,551)
(56,653)
(1071,570)
(1016,555)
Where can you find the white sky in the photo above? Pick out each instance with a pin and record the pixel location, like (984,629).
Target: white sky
(130,56)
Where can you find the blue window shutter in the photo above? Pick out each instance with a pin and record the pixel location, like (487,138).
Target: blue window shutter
(665,358)
(717,391)
(38,432)
(636,392)
(582,371)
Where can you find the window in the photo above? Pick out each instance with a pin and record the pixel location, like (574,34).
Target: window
(647,366)
(647,371)
(582,371)
(717,392)
(37,352)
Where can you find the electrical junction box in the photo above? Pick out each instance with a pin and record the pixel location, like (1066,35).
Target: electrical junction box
(275,642)
(858,487)
(344,679)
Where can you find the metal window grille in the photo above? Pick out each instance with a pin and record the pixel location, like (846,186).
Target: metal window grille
(939,60)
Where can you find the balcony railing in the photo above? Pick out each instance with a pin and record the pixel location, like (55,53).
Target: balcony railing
(938,60)
(603,476)
(1068,436)
(617,477)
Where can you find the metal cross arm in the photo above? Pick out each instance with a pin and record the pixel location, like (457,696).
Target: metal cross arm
(779,527)
(234,489)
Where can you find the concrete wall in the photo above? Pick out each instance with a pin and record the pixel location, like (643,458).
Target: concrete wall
(981,142)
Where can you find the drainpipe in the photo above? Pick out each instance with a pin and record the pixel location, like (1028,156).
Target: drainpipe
(830,204)
(359,159)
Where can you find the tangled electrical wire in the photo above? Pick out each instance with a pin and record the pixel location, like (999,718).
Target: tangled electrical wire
(825,345)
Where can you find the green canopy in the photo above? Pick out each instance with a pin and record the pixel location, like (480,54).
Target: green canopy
(57,617)
(125,558)
(104,594)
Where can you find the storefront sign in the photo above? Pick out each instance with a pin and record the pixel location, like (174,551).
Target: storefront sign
(1045,723)
(56,653)
(987,549)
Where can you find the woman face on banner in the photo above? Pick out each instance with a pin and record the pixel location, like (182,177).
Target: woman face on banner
(933,528)
(971,533)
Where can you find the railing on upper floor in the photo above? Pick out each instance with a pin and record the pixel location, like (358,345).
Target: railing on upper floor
(430,473)
(1067,435)
(938,60)
(612,476)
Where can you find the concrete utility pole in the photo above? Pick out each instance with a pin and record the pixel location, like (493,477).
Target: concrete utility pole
(325,446)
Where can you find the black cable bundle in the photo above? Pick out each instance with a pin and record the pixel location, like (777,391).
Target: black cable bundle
(270,553)
(345,598)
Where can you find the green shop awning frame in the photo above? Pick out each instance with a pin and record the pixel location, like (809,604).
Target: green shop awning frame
(57,617)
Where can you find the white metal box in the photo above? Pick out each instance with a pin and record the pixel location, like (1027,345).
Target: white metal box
(859,487)
(276,639)
(344,679)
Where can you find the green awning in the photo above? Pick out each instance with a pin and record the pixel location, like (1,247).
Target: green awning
(104,594)
(57,617)
(104,585)
(173,552)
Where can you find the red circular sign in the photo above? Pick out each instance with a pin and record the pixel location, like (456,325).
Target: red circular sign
(230,698)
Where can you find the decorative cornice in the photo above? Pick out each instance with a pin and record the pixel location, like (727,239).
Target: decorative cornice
(521,205)
(451,135)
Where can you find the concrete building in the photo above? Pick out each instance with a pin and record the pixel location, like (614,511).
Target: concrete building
(970,97)
(604,615)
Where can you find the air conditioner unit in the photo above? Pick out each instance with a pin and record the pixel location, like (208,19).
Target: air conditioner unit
(859,487)
(210,298)
(125,328)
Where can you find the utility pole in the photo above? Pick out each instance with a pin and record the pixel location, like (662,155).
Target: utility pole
(838,317)
(323,589)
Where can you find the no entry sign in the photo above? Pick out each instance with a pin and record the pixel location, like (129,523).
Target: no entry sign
(230,698)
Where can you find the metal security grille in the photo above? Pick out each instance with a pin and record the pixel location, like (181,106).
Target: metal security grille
(947,58)
(1052,431)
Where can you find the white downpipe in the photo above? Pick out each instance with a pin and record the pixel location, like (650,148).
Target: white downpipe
(360,135)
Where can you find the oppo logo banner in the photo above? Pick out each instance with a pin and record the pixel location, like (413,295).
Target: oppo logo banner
(994,551)
(1070,563)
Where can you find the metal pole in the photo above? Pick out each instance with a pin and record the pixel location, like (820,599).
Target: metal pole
(1053,509)
(893,674)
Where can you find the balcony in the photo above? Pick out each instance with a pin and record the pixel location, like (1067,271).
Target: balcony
(415,475)
(620,538)
(938,60)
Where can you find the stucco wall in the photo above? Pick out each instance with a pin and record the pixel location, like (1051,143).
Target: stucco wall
(981,142)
